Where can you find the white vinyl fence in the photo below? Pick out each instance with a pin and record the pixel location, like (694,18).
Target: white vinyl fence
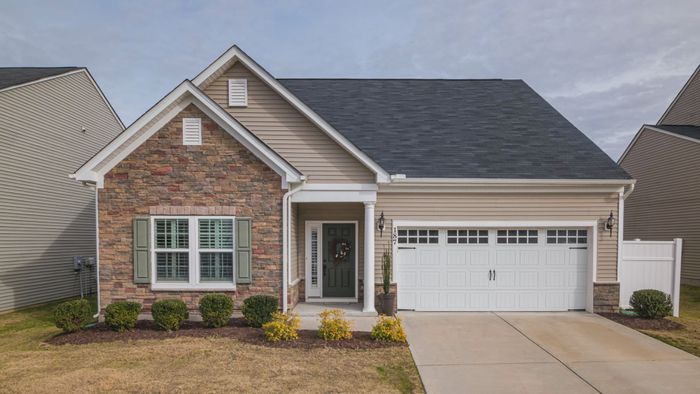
(651,265)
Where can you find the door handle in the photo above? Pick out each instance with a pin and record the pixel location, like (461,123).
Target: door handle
(490,274)
(324,270)
(494,274)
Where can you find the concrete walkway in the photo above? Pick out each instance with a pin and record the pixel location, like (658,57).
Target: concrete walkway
(568,352)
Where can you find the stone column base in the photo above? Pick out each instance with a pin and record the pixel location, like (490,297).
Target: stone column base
(606,297)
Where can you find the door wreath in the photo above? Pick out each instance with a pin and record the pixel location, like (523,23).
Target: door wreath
(342,249)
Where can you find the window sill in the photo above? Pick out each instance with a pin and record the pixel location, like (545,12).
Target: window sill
(188,287)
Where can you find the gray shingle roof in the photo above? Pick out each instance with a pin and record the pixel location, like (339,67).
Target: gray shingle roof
(684,130)
(11,76)
(456,128)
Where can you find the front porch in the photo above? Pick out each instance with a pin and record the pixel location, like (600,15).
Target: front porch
(359,319)
(331,254)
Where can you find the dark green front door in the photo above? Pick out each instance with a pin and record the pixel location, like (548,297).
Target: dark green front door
(339,250)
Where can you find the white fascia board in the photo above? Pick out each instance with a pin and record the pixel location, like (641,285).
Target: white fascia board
(88,173)
(362,196)
(494,223)
(236,53)
(464,185)
(515,181)
(340,186)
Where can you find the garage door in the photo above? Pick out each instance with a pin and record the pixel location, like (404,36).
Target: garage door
(502,269)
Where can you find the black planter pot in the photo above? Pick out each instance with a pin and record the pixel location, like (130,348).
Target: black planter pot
(388,302)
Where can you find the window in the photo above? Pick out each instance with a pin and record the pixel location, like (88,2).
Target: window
(467,236)
(237,92)
(516,236)
(418,236)
(567,236)
(191,131)
(193,252)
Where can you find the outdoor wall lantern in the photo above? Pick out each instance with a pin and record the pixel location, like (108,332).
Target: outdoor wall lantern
(610,223)
(380,224)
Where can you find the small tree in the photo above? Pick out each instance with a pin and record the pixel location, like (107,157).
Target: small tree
(386,271)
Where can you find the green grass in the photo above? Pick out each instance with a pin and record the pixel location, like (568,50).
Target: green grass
(688,338)
(397,375)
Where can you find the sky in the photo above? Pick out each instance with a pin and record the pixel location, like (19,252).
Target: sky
(608,66)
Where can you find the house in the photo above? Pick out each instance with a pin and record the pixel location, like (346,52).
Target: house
(664,158)
(52,119)
(242,183)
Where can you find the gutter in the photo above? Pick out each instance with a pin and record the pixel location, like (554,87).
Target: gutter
(628,192)
(286,244)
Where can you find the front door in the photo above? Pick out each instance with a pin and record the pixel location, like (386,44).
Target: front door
(339,260)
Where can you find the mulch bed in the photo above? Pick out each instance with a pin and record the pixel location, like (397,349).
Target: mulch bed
(235,330)
(643,324)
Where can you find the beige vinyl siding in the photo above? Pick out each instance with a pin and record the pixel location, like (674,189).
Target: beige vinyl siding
(505,206)
(288,132)
(45,217)
(665,203)
(686,108)
(330,212)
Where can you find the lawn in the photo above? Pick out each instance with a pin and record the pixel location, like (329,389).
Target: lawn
(687,338)
(216,364)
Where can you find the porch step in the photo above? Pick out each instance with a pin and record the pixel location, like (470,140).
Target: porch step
(313,309)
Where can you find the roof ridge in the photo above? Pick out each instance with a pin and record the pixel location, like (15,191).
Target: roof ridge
(36,67)
(397,79)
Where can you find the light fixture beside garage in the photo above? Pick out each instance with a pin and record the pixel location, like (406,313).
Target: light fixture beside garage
(380,223)
(610,223)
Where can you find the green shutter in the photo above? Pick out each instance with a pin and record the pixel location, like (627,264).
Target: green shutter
(142,254)
(243,250)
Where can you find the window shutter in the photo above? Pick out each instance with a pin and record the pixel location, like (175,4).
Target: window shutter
(191,131)
(142,255)
(243,250)
(237,92)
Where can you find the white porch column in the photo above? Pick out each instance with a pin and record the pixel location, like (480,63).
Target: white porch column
(369,258)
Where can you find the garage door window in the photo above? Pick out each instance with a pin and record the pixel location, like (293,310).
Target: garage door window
(467,236)
(418,236)
(516,236)
(567,236)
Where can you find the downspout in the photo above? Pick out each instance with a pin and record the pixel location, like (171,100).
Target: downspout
(97,249)
(286,245)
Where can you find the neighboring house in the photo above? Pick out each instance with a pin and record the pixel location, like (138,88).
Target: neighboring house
(664,158)
(242,183)
(51,121)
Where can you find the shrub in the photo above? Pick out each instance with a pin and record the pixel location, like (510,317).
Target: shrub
(333,326)
(388,329)
(122,315)
(651,304)
(216,309)
(71,316)
(258,309)
(169,314)
(282,327)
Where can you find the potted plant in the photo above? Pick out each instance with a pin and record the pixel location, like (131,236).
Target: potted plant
(388,300)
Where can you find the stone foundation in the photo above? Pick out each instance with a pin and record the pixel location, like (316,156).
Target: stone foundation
(606,297)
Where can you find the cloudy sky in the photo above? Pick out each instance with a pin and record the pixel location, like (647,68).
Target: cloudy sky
(608,66)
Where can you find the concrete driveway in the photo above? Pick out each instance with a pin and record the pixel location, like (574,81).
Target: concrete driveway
(568,352)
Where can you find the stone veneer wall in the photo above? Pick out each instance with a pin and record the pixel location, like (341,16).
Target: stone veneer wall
(164,176)
(606,297)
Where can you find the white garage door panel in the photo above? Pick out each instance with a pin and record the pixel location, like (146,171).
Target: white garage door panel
(456,277)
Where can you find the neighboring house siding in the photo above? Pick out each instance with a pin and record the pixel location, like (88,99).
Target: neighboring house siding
(45,217)
(665,202)
(510,206)
(164,173)
(685,110)
(288,132)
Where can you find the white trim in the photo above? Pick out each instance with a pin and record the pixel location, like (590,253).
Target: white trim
(591,225)
(677,257)
(88,173)
(368,281)
(244,84)
(307,263)
(235,53)
(341,186)
(97,249)
(620,232)
(334,196)
(651,128)
(90,78)
(194,266)
(675,99)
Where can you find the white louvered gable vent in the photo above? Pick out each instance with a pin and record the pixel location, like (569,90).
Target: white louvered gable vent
(237,92)
(191,131)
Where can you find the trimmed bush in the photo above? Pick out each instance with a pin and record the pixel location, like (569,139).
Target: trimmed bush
(651,304)
(122,315)
(388,329)
(169,314)
(258,309)
(216,309)
(283,327)
(71,316)
(334,326)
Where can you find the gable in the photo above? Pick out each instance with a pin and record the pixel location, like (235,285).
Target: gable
(685,108)
(287,131)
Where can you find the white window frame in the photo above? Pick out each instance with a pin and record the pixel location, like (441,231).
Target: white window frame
(194,282)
